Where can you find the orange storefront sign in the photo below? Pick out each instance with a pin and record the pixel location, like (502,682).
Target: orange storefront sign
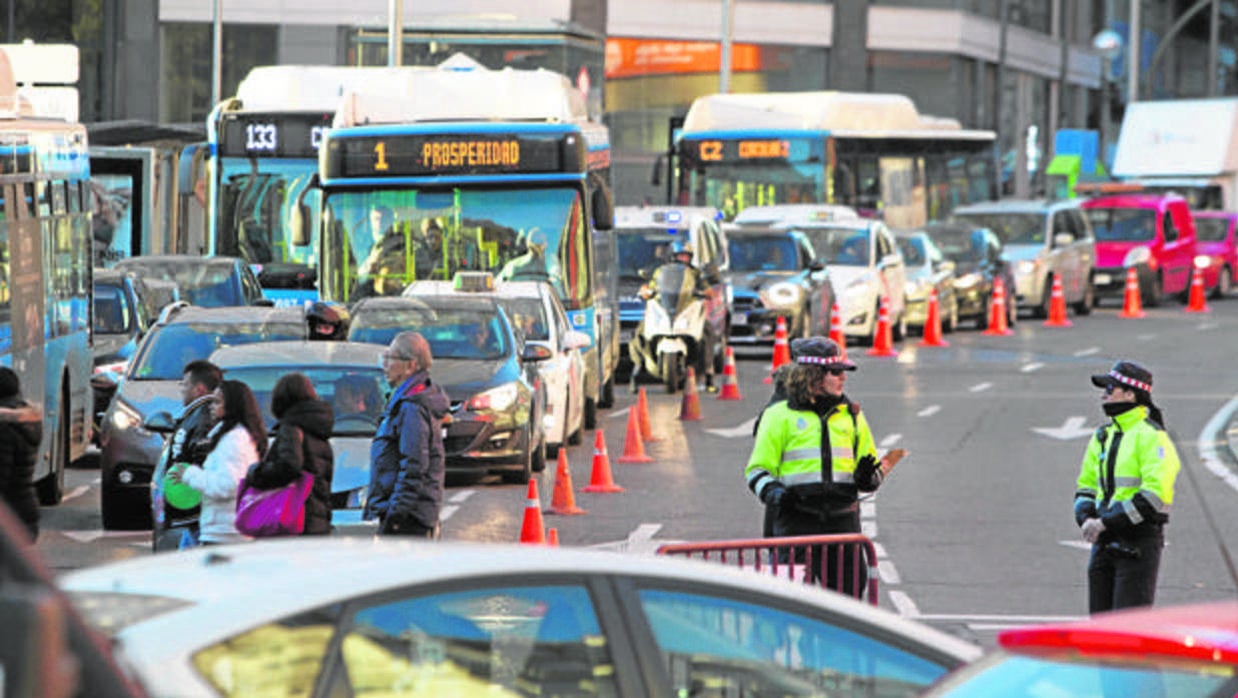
(629,58)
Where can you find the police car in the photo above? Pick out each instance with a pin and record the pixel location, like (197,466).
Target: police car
(538,316)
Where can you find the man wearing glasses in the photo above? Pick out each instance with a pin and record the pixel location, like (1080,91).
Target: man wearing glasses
(1124,491)
(813,455)
(406,457)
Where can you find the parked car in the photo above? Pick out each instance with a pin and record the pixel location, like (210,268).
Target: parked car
(1188,651)
(927,270)
(644,235)
(129,452)
(391,617)
(538,316)
(1041,238)
(775,273)
(346,374)
(977,256)
(121,313)
(1155,234)
(497,397)
(206,281)
(1215,240)
(866,269)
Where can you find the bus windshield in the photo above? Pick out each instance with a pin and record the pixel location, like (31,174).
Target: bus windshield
(380,241)
(733,187)
(256,202)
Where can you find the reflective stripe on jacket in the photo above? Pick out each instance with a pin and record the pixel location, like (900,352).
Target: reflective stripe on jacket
(788,449)
(1140,485)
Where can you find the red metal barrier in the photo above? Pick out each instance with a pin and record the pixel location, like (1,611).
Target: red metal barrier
(799,558)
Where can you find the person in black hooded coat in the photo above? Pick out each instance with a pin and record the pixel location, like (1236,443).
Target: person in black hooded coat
(19,451)
(302,443)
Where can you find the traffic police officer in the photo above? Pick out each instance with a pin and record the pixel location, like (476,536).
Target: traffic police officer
(813,455)
(1124,491)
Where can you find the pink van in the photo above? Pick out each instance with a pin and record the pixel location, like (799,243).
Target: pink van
(1154,234)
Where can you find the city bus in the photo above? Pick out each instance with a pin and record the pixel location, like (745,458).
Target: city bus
(873,152)
(45,277)
(467,168)
(263,149)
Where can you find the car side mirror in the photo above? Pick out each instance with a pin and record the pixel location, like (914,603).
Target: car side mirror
(536,351)
(603,209)
(160,423)
(1062,239)
(577,340)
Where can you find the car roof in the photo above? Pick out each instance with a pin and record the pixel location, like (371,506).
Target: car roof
(183,312)
(1204,631)
(1019,206)
(796,213)
(297,353)
(656,216)
(157,260)
(323,571)
(502,289)
(734,231)
(465,301)
(949,228)
(1148,201)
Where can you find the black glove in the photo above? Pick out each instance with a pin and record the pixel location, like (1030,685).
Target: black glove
(866,468)
(781,497)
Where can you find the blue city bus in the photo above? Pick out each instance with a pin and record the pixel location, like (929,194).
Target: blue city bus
(45,283)
(495,171)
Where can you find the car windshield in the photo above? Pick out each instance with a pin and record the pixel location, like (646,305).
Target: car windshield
(1016,676)
(529,316)
(762,253)
(357,395)
(1123,224)
(913,251)
(113,315)
(453,333)
(203,283)
(1211,229)
(1012,228)
(642,249)
(165,353)
(843,246)
(962,246)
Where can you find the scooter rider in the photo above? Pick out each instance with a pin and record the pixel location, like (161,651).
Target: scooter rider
(638,352)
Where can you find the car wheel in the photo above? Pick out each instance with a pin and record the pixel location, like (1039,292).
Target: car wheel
(124,511)
(720,356)
(606,396)
(1154,294)
(591,413)
(1046,300)
(521,476)
(577,435)
(952,320)
(1225,283)
(1085,304)
(1012,312)
(50,489)
(539,458)
(672,371)
(899,331)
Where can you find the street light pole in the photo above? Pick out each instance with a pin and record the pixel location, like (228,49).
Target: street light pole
(217,52)
(724,58)
(395,33)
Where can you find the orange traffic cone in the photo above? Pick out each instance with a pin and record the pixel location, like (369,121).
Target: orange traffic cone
(836,330)
(997,311)
(932,324)
(552,537)
(564,499)
(782,350)
(690,408)
(532,530)
(1197,303)
(730,383)
(642,412)
(883,341)
(1132,304)
(601,480)
(1057,305)
(633,445)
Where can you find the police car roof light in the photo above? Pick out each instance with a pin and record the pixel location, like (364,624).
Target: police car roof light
(473,281)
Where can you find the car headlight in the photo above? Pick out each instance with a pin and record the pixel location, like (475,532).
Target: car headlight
(124,417)
(1025,267)
(782,295)
(1203,261)
(1139,255)
(494,399)
(916,289)
(969,280)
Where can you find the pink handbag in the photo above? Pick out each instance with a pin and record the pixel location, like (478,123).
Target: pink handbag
(277,512)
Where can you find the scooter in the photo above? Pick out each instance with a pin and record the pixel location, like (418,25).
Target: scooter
(671,334)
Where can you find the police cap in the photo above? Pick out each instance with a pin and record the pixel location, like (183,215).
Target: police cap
(820,351)
(1126,374)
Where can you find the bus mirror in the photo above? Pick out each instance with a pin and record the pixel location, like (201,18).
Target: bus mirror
(603,209)
(656,178)
(301,219)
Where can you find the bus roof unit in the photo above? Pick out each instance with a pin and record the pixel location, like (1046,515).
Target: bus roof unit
(285,88)
(839,113)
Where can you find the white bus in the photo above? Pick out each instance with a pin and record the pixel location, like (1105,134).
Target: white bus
(873,152)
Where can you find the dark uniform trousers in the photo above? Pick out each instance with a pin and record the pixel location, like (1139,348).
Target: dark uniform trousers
(1122,572)
(844,571)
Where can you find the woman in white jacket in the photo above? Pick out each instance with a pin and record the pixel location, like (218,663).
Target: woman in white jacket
(238,440)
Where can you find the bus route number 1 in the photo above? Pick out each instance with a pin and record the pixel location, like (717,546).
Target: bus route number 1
(380,152)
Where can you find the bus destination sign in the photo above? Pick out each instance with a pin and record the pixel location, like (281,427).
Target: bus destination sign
(717,150)
(296,135)
(463,154)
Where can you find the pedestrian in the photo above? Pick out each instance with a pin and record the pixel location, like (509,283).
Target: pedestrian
(813,455)
(189,444)
(301,444)
(19,452)
(238,440)
(1124,491)
(406,457)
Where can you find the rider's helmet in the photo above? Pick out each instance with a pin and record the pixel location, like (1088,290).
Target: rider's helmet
(681,251)
(327,320)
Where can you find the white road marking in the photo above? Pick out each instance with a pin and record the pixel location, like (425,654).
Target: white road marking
(1034,366)
(1088,352)
(891,440)
(1208,447)
(889,575)
(1072,428)
(929,411)
(868,510)
(744,429)
(446,512)
(904,605)
(880,550)
(92,536)
(644,533)
(76,492)
(869,528)
(1080,544)
(980,387)
(460,496)
(620,413)
(1207,326)
(1147,337)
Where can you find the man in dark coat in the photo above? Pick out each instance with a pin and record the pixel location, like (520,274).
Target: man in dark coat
(407,466)
(19,451)
(189,443)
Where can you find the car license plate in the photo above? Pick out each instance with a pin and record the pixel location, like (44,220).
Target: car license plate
(739,319)
(1103,278)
